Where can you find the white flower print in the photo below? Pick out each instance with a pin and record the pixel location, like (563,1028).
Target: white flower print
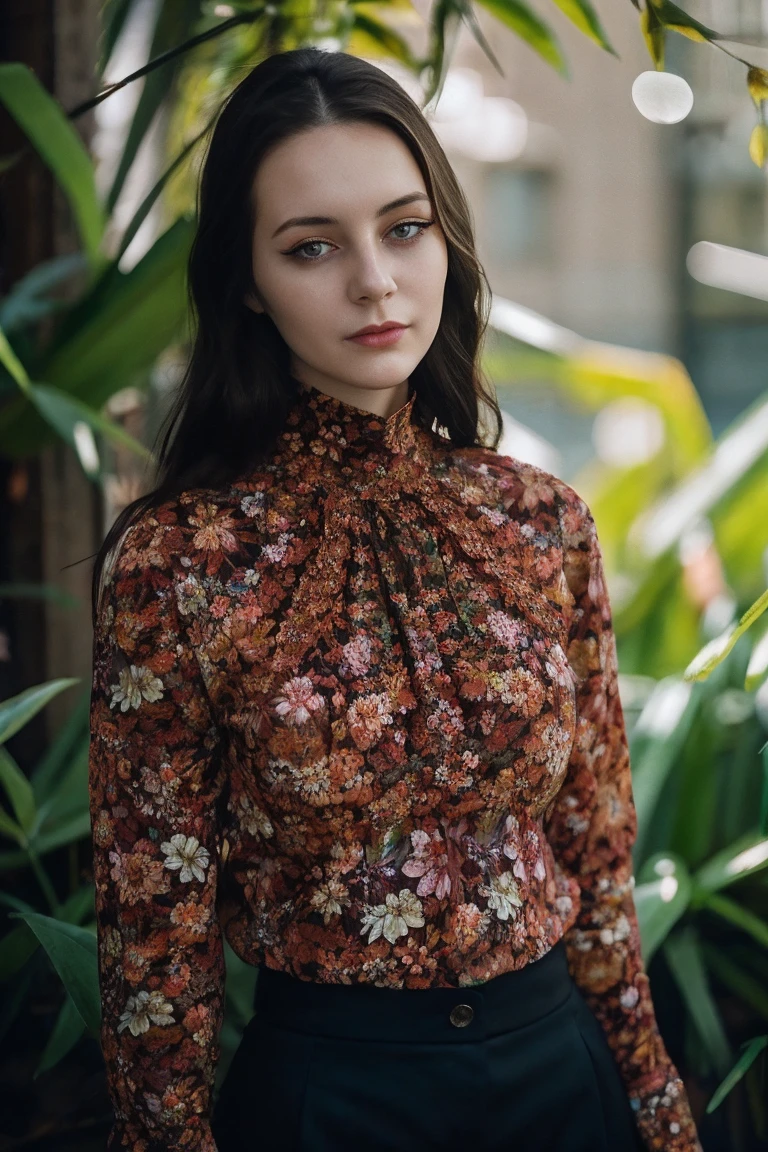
(143,1010)
(186,853)
(629,997)
(137,683)
(504,897)
(393,919)
(328,898)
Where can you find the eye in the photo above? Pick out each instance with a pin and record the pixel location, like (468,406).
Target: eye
(421,225)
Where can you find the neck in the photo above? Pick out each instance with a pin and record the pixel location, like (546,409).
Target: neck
(381,402)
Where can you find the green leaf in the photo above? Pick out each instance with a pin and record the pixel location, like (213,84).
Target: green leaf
(716,650)
(13,831)
(18,790)
(684,957)
(758,145)
(374,38)
(68,800)
(113,17)
(657,740)
(59,146)
(748,855)
(26,302)
(653,33)
(66,1032)
(65,413)
(677,20)
(75,828)
(11,362)
(712,654)
(739,915)
(69,740)
(758,659)
(662,895)
(112,335)
(16,947)
(757,85)
(737,979)
(752,1049)
(73,953)
(18,710)
(529,27)
(583,15)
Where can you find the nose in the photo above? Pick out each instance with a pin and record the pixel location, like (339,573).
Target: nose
(372,277)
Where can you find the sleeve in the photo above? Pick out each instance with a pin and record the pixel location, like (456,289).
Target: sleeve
(154,779)
(592,828)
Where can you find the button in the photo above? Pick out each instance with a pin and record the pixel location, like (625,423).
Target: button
(462,1015)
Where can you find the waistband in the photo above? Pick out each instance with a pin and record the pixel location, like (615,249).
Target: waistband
(444,1015)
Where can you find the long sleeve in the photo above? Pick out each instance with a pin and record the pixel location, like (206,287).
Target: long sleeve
(154,779)
(591,829)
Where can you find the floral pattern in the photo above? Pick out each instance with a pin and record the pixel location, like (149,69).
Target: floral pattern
(359,714)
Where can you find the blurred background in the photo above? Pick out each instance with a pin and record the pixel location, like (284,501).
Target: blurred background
(626,244)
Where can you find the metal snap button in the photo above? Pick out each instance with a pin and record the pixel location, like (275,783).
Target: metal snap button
(462,1014)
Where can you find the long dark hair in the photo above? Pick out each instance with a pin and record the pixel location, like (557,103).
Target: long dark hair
(236,391)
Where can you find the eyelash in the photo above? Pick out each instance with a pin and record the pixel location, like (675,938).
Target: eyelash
(422,225)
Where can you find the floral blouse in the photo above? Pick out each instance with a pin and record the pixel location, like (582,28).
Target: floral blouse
(360,715)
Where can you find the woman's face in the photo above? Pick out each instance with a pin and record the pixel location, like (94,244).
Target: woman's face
(352,259)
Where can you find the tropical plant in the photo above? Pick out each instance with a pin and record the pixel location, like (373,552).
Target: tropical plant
(696,743)
(693,676)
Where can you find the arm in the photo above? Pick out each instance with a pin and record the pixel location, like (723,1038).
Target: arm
(154,779)
(592,828)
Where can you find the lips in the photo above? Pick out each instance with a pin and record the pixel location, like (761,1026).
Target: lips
(371,328)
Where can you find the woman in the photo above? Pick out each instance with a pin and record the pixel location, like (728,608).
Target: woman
(355,697)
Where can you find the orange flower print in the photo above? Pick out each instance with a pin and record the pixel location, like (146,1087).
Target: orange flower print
(368,716)
(214,529)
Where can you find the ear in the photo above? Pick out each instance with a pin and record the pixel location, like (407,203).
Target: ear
(251,302)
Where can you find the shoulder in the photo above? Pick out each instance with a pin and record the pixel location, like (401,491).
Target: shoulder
(165,541)
(526,489)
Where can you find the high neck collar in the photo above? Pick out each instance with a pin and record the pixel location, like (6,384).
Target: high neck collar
(350,433)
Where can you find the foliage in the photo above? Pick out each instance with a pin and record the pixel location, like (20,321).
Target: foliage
(700,784)
(688,672)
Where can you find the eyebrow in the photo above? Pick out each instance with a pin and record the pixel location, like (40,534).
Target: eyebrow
(312,221)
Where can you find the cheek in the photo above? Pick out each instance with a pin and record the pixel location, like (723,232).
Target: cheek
(433,269)
(301,310)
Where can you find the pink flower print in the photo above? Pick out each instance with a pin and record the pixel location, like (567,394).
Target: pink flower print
(512,847)
(297,702)
(507,631)
(429,861)
(356,656)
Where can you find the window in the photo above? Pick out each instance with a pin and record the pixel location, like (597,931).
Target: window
(518,217)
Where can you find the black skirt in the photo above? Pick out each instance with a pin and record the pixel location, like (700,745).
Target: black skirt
(518,1064)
